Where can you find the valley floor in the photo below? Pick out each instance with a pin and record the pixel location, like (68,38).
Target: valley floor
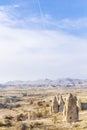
(32,107)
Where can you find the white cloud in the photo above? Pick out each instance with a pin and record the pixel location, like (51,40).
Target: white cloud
(32,54)
(72,23)
(9,17)
(26,54)
(16,5)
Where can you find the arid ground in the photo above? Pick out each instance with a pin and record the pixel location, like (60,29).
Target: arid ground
(30,109)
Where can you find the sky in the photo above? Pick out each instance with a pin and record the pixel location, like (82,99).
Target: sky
(43,39)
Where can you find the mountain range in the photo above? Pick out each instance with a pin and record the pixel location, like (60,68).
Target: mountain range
(68,82)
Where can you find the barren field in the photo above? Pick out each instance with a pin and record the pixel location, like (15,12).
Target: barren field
(30,109)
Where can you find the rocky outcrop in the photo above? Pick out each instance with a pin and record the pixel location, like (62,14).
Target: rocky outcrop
(79,104)
(54,107)
(60,104)
(71,111)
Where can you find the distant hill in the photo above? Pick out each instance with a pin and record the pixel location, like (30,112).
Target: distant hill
(47,82)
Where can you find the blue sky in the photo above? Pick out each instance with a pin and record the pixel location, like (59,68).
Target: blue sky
(69,16)
(43,39)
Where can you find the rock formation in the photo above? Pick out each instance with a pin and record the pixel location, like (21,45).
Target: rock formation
(54,107)
(79,104)
(71,111)
(60,104)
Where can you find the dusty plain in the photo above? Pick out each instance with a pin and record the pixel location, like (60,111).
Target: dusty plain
(31,107)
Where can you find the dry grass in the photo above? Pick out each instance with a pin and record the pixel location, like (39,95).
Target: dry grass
(35,110)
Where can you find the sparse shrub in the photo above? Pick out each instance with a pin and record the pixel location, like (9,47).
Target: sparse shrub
(17,105)
(50,100)
(38,123)
(33,115)
(31,102)
(40,103)
(13,106)
(1,124)
(31,126)
(8,117)
(47,105)
(39,115)
(44,101)
(22,117)
(46,113)
(7,122)
(76,125)
(22,126)
(2,105)
(55,120)
(24,94)
(35,124)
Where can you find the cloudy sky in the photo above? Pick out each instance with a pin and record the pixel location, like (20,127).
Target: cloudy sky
(43,39)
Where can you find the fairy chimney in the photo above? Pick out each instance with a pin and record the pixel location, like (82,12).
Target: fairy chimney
(54,107)
(60,104)
(79,104)
(71,111)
